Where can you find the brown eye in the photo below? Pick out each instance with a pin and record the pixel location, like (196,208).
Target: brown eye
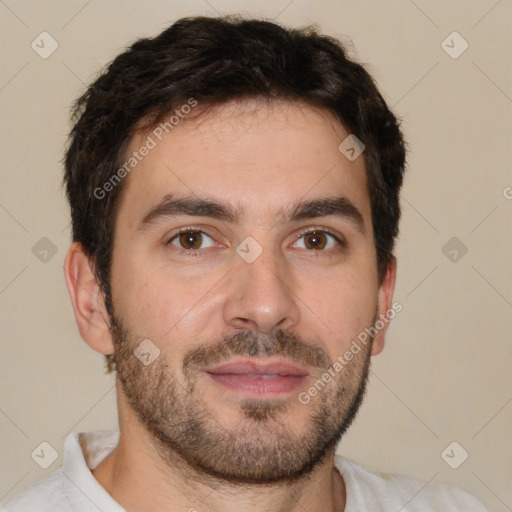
(315,240)
(319,240)
(191,240)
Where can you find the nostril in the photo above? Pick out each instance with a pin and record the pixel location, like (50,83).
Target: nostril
(243,323)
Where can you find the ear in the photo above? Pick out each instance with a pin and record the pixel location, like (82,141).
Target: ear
(88,301)
(384,306)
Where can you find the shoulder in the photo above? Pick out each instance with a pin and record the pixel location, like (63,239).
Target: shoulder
(393,491)
(44,495)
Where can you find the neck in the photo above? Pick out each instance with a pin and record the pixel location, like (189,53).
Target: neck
(160,486)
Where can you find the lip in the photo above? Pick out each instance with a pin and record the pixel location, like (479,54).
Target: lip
(244,367)
(258,378)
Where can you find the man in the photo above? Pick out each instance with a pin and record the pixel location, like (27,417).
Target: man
(234,197)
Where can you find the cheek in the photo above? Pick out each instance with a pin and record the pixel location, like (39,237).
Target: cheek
(157,306)
(341,309)
(168,308)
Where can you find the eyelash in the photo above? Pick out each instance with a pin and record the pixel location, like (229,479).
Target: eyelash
(342,243)
(190,253)
(194,253)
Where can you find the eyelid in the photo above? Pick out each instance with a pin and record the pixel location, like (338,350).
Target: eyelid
(187,229)
(342,243)
(311,229)
(189,253)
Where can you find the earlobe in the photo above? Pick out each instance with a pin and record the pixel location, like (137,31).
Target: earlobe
(385,303)
(87,300)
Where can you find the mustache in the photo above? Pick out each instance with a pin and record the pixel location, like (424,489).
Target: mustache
(248,343)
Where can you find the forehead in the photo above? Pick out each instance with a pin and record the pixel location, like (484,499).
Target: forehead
(257,155)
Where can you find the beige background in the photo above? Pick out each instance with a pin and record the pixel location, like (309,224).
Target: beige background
(445,374)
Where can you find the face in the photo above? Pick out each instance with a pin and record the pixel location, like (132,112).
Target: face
(243,269)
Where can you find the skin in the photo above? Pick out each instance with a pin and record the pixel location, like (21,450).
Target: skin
(262,157)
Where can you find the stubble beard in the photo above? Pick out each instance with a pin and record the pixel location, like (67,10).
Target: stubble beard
(259,449)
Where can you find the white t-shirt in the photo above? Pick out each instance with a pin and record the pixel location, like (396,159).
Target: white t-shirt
(74,488)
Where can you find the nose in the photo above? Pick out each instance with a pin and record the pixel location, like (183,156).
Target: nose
(260,295)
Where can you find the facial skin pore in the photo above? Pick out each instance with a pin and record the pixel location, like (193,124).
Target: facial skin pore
(188,442)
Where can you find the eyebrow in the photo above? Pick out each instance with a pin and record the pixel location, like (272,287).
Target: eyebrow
(171,206)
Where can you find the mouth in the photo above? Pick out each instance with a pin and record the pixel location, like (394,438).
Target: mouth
(258,378)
